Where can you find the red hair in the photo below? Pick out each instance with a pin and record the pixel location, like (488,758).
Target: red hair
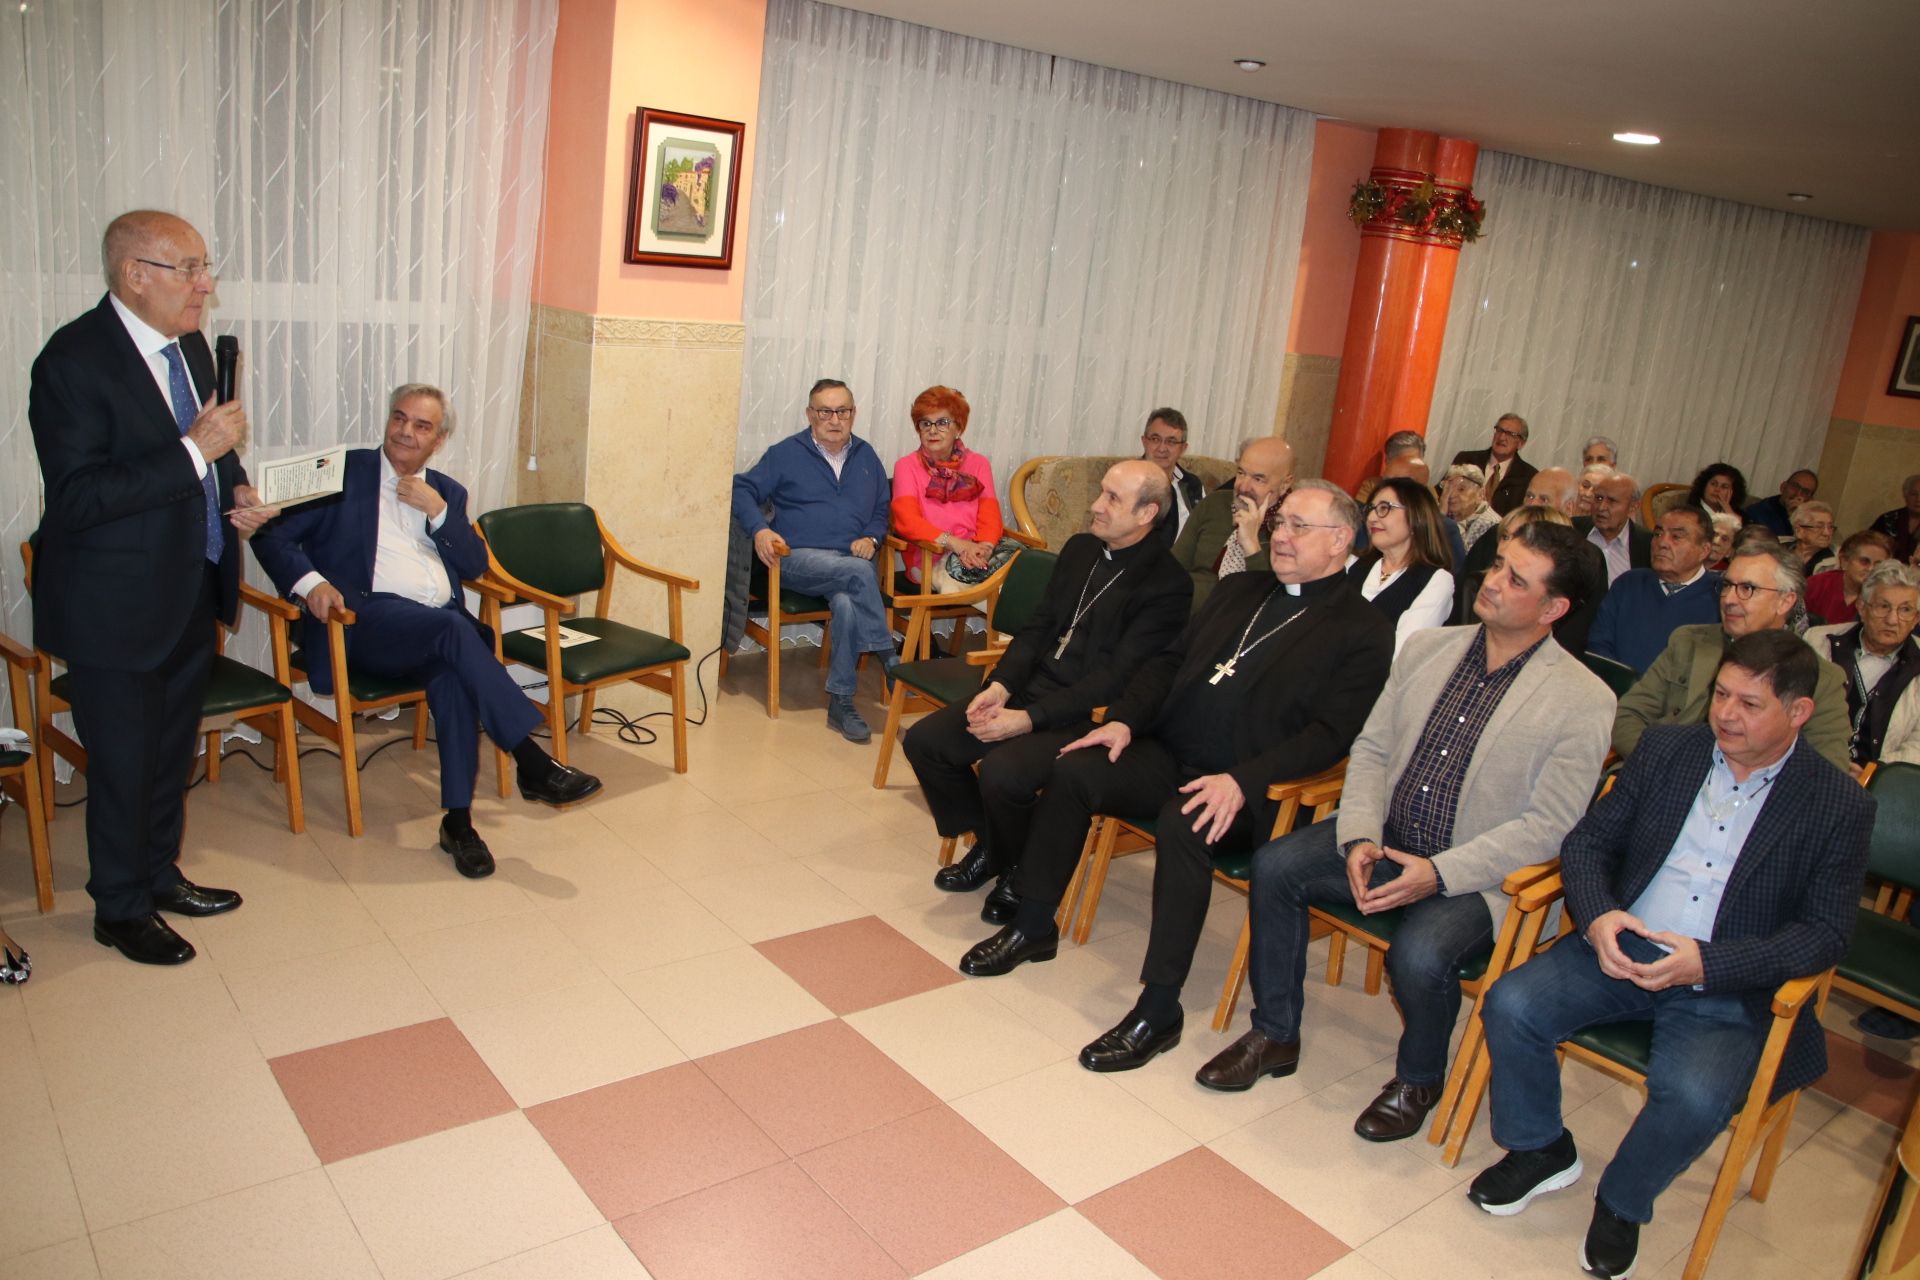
(935,402)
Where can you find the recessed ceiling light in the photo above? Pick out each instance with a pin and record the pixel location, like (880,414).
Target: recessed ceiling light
(1638,139)
(1249,64)
(1798,195)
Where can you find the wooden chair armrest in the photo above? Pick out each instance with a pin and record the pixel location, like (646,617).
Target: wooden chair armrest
(1793,994)
(1024,539)
(518,589)
(1524,876)
(1334,778)
(342,617)
(984,657)
(1866,774)
(18,654)
(639,566)
(272,606)
(1548,889)
(488,590)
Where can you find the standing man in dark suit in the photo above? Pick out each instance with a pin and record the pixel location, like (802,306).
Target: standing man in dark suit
(1507,472)
(1624,541)
(135,562)
(1727,860)
(393,547)
(1271,680)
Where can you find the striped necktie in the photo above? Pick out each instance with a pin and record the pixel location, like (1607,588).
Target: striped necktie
(184,412)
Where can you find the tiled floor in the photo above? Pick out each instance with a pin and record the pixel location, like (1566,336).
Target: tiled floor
(709,1026)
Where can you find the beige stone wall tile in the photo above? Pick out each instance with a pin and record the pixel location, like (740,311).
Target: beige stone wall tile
(1305,415)
(1862,467)
(555,407)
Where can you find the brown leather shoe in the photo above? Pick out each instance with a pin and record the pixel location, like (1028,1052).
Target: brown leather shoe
(1235,1068)
(1399,1111)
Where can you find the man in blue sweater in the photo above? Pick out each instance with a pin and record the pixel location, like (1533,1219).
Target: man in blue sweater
(1643,606)
(830,496)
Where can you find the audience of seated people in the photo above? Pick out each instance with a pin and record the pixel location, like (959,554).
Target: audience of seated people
(1464,494)
(1407,569)
(1813,528)
(1643,606)
(943,491)
(1230,528)
(1506,472)
(1719,487)
(1902,524)
(1832,594)
(1777,512)
(1622,540)
(1163,442)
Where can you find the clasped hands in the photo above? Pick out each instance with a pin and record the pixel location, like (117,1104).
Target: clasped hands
(990,719)
(1681,967)
(1216,796)
(770,546)
(1416,880)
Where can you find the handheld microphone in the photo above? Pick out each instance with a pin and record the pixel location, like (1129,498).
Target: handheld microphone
(226,353)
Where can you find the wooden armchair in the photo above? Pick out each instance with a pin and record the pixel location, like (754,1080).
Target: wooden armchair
(781,607)
(20,773)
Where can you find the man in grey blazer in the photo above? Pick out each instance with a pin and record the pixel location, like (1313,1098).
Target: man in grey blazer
(1477,759)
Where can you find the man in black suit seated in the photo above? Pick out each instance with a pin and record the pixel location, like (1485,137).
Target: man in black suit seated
(1507,472)
(1116,598)
(135,562)
(1270,680)
(1624,542)
(1163,443)
(393,547)
(1727,859)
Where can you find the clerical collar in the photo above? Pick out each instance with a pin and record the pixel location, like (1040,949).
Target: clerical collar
(1126,555)
(1318,587)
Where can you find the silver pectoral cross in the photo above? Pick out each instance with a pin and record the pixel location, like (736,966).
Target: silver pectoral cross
(1060,650)
(1221,670)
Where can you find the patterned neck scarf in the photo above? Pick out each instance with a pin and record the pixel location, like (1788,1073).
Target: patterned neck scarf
(946,482)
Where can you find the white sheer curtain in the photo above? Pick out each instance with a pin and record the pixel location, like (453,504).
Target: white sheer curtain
(367,174)
(1689,329)
(1069,246)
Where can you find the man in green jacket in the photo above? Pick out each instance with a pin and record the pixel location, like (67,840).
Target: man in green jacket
(1228,531)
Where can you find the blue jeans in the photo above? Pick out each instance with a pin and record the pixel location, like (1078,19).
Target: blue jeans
(1705,1049)
(853,593)
(1435,935)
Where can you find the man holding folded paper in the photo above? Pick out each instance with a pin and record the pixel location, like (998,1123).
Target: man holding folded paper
(393,547)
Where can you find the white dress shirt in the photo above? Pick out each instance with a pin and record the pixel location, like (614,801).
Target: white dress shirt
(406,562)
(153,344)
(1431,608)
(1618,556)
(1684,895)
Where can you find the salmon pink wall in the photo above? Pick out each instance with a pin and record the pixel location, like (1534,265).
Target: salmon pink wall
(612,57)
(1329,243)
(1891,294)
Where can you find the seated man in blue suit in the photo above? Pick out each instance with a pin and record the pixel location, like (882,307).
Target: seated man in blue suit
(393,548)
(1727,859)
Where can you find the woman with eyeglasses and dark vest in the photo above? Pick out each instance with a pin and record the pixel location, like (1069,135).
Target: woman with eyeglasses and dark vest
(1406,571)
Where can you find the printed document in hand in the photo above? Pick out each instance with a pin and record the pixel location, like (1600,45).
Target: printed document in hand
(302,478)
(568,636)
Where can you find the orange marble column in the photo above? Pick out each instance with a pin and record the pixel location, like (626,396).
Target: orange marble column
(1401,290)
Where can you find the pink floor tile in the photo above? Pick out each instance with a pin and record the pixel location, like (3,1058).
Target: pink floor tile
(1196,1217)
(929,1187)
(372,1092)
(1863,1077)
(651,1139)
(857,965)
(775,1222)
(816,1085)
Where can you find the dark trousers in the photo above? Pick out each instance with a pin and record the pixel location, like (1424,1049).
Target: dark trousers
(1705,1049)
(1434,937)
(139,729)
(997,803)
(1143,783)
(467,688)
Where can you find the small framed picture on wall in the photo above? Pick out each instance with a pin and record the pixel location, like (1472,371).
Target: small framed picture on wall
(686,182)
(1906,363)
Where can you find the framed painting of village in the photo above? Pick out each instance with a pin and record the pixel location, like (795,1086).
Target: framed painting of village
(686,182)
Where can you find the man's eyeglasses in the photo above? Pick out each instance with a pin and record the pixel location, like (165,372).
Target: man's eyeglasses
(831,413)
(1904,612)
(1795,489)
(1163,440)
(1296,526)
(1819,526)
(191,270)
(1511,435)
(1385,509)
(1744,590)
(935,424)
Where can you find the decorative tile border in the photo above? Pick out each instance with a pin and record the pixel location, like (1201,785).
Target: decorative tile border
(636,331)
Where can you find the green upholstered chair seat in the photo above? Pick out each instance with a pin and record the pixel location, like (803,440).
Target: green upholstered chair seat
(619,650)
(1628,1043)
(1236,866)
(231,686)
(13,759)
(1382,926)
(1884,956)
(792,602)
(1619,676)
(945,680)
(365,688)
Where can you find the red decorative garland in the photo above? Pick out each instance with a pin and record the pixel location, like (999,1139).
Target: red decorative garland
(1424,208)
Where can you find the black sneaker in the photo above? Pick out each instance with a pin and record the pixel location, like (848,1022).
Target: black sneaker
(843,719)
(1612,1245)
(1510,1186)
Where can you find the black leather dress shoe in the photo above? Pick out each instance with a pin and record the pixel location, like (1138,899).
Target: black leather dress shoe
(1006,951)
(1235,1068)
(564,785)
(471,857)
(145,940)
(1003,903)
(190,899)
(979,866)
(1134,1043)
(1399,1111)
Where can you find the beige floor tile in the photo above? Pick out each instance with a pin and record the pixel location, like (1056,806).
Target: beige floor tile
(411,887)
(945,926)
(1167,1084)
(232,1129)
(957,1040)
(70,968)
(161,1040)
(1736,1253)
(599,1254)
(444,1204)
(718,1001)
(1308,1155)
(554,1043)
(773,901)
(808,823)
(1352,1267)
(898,806)
(633,799)
(1073,1129)
(69,1260)
(40,1206)
(1821,1193)
(292,1229)
(705,842)
(1076,996)
(624,932)
(587,863)
(490,962)
(300,1004)
(732,780)
(880,874)
(294,908)
(1061,1246)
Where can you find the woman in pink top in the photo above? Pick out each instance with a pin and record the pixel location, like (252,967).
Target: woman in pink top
(943,491)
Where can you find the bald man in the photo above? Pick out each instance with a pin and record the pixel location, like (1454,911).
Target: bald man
(1624,541)
(1554,487)
(138,555)
(1230,528)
